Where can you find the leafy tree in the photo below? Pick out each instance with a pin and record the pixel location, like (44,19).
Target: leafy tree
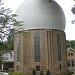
(73,11)
(3,46)
(70,43)
(10,40)
(7,21)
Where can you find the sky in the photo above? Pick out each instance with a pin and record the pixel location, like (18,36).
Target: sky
(66,6)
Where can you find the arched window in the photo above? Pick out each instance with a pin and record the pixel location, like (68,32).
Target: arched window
(71,54)
(68,54)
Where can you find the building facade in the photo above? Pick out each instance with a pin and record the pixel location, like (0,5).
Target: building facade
(71,59)
(40,50)
(8,61)
(7,58)
(40,44)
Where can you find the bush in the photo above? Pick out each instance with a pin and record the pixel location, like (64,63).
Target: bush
(41,72)
(48,72)
(16,73)
(34,72)
(68,73)
(3,70)
(10,72)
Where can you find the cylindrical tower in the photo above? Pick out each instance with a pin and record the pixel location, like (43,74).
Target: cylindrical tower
(40,44)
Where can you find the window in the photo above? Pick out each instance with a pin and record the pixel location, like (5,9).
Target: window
(59,46)
(70,63)
(71,54)
(37,68)
(68,54)
(37,46)
(18,49)
(60,66)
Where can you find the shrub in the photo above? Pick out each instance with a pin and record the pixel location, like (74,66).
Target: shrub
(34,72)
(10,72)
(41,72)
(16,73)
(48,72)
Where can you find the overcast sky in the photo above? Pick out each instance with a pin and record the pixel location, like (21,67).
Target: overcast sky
(66,6)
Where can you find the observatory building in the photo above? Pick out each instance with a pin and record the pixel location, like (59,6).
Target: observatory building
(40,44)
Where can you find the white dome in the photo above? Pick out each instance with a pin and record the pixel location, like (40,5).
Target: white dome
(41,14)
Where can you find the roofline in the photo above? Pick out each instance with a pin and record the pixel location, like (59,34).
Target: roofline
(71,49)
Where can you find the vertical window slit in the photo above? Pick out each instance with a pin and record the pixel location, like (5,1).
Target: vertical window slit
(37,46)
(59,47)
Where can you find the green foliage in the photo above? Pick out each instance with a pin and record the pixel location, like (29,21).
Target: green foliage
(73,11)
(70,43)
(48,72)
(16,73)
(34,72)
(3,46)
(3,71)
(8,45)
(10,73)
(7,21)
(10,40)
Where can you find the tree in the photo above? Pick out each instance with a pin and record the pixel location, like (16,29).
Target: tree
(9,41)
(3,46)
(7,21)
(73,11)
(70,43)
(1,62)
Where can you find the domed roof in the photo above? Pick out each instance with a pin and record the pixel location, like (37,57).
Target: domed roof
(41,14)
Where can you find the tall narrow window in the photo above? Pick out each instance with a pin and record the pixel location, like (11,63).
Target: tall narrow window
(71,54)
(18,49)
(72,63)
(68,63)
(68,54)
(59,47)
(60,66)
(37,46)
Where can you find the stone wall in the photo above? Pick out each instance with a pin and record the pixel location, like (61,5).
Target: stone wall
(48,52)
